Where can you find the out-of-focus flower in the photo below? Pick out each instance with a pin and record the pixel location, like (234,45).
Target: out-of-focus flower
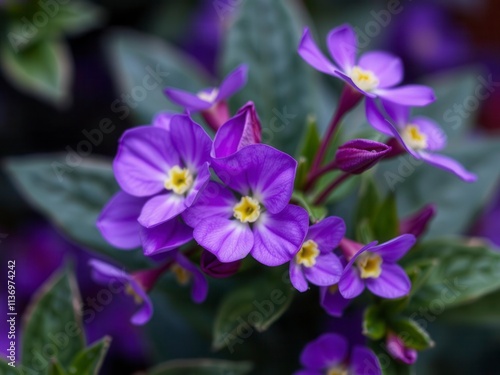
(375,74)
(251,214)
(359,155)
(315,262)
(332,301)
(398,350)
(329,354)
(213,267)
(417,223)
(187,273)
(374,266)
(420,136)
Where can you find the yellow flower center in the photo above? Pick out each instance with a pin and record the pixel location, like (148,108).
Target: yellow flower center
(247,210)
(208,96)
(369,265)
(366,80)
(179,180)
(307,254)
(337,370)
(414,138)
(182,275)
(131,292)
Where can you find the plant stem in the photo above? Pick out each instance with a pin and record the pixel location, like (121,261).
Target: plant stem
(335,183)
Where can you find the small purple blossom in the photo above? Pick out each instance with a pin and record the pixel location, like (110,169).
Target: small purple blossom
(315,261)
(375,74)
(330,354)
(420,136)
(251,214)
(399,351)
(137,286)
(417,223)
(359,155)
(374,266)
(171,167)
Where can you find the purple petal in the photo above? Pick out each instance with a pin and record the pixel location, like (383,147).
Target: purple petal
(364,362)
(185,99)
(350,284)
(393,282)
(333,303)
(308,372)
(327,350)
(199,184)
(343,45)
(143,160)
(191,142)
(144,314)
(326,271)
(377,120)
(118,221)
(103,272)
(393,250)
(214,201)
(228,240)
(448,164)
(261,170)
(297,277)
(349,81)
(436,137)
(199,289)
(310,52)
(411,95)
(387,67)
(164,237)
(327,233)
(278,237)
(233,82)
(161,208)
(162,120)
(399,113)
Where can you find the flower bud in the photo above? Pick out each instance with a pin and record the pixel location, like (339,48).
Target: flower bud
(359,155)
(215,268)
(418,222)
(398,350)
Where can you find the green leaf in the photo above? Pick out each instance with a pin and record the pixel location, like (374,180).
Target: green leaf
(71,192)
(462,274)
(53,320)
(89,361)
(316,213)
(201,367)
(308,150)
(5,369)
(76,17)
(43,69)
(265,35)
(142,66)
(55,368)
(386,223)
(484,311)
(254,306)
(412,335)
(374,325)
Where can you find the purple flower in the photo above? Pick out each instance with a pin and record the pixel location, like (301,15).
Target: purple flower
(315,261)
(417,223)
(374,75)
(329,355)
(137,286)
(359,155)
(187,273)
(251,213)
(399,351)
(242,130)
(420,136)
(374,266)
(171,167)
(332,301)
(213,267)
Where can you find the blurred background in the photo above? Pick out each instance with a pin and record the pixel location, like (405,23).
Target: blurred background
(73,75)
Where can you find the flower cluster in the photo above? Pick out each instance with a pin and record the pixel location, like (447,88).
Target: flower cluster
(224,198)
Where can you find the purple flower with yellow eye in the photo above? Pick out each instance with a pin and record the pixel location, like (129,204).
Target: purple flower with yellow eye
(375,74)
(330,354)
(187,273)
(170,168)
(251,213)
(374,266)
(420,136)
(315,261)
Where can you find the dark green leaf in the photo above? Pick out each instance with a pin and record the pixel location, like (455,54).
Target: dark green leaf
(369,202)
(76,17)
(71,197)
(55,368)
(265,35)
(316,213)
(412,335)
(386,223)
(53,320)
(374,325)
(201,367)
(5,369)
(43,69)
(308,150)
(142,66)
(253,306)
(89,360)
(484,311)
